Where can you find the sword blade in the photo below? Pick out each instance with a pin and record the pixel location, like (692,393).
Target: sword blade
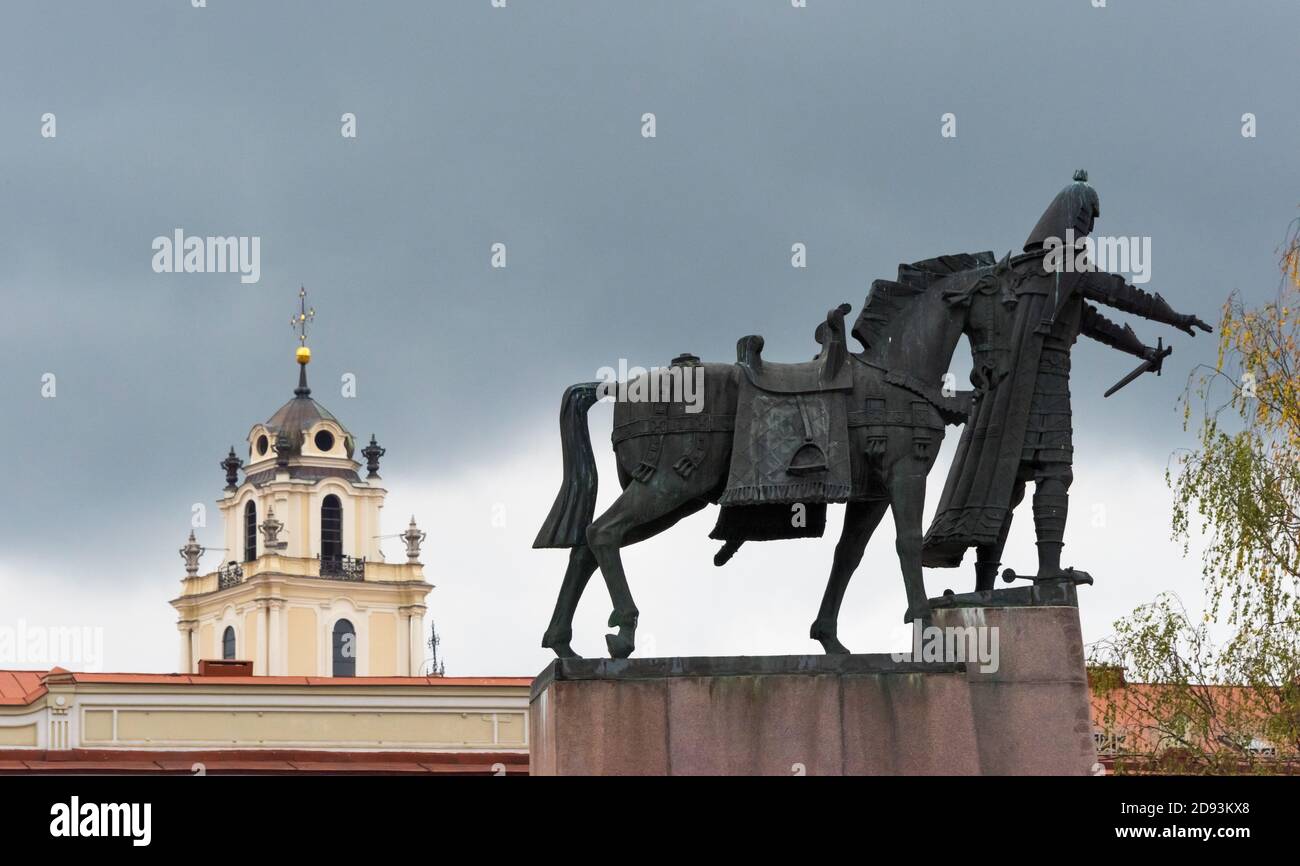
(1145,367)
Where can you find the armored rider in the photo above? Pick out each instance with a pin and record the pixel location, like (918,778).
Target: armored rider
(1021,429)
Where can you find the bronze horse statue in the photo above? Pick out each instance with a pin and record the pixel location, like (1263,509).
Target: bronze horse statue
(861,428)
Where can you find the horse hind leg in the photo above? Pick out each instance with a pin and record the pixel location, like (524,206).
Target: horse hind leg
(582,564)
(642,511)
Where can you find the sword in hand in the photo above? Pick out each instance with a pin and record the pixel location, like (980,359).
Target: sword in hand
(1152,364)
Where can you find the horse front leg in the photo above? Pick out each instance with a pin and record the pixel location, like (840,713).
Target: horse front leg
(907,498)
(860,521)
(582,564)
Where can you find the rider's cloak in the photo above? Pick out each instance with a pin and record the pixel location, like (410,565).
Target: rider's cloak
(977,496)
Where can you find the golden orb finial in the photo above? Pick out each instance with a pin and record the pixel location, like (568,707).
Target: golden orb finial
(303,355)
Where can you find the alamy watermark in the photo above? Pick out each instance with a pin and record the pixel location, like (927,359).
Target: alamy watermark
(77,647)
(182,254)
(972,644)
(133,821)
(682,383)
(1130,255)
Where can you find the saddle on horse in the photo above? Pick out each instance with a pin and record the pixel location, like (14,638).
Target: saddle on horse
(791,443)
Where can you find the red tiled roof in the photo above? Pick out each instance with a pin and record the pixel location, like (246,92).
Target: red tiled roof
(23,687)
(195,679)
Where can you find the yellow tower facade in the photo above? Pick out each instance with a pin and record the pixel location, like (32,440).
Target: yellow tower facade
(304,589)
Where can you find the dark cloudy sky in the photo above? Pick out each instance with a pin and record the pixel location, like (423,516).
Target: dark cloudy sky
(521,125)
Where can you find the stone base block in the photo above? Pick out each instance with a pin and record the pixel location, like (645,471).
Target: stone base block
(1017,703)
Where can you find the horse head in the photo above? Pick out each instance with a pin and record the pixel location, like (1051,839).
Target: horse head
(988,302)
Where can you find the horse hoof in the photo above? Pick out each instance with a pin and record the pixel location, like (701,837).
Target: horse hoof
(825,635)
(564,651)
(833,647)
(559,644)
(924,614)
(619,646)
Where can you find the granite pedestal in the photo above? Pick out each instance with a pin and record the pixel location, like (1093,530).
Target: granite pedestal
(835,714)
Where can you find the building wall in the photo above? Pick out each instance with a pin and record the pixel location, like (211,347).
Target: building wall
(297,506)
(246,643)
(302,643)
(19,735)
(189,713)
(207,642)
(284,613)
(383,644)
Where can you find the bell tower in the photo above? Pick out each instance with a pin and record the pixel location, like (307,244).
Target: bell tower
(304,589)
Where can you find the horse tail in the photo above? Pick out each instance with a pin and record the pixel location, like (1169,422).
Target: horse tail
(575,504)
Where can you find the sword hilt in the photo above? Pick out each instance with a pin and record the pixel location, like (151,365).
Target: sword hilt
(1161,354)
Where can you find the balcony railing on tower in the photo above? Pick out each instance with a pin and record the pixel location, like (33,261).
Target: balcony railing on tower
(230,575)
(343,568)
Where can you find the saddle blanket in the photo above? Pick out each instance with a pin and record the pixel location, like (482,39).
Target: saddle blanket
(788,448)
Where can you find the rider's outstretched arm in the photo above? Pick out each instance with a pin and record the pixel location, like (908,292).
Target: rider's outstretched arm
(1103,330)
(1114,291)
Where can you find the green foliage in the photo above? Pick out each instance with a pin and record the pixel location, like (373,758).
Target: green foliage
(1222,706)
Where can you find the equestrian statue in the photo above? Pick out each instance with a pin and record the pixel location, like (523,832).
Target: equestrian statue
(773,444)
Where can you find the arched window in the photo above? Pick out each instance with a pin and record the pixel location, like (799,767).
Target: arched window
(331,529)
(228,643)
(345,649)
(250,531)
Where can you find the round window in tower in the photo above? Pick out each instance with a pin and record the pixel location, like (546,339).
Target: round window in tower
(262,444)
(324,440)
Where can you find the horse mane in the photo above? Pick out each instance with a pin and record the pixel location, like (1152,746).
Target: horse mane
(887,299)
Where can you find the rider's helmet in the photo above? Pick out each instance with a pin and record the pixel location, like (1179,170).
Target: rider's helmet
(1075,207)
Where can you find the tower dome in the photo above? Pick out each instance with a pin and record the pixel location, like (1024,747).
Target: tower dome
(302,437)
(301,433)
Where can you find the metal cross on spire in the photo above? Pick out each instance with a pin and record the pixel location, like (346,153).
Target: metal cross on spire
(303,355)
(305,314)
